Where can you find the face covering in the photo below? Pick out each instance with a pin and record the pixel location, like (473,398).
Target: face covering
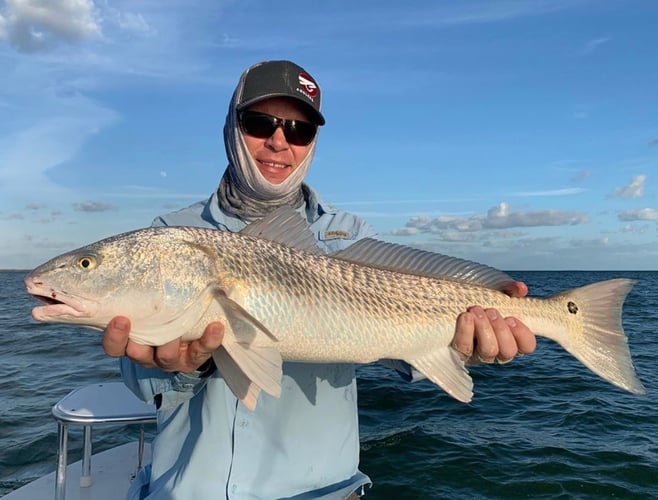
(243,191)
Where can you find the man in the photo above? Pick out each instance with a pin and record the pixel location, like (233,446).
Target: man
(304,444)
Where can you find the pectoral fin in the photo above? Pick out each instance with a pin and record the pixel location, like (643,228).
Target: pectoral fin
(243,389)
(444,367)
(252,349)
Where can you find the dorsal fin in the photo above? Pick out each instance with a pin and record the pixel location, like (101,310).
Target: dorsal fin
(286,226)
(394,257)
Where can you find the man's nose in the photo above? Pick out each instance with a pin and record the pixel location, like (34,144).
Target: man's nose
(277,140)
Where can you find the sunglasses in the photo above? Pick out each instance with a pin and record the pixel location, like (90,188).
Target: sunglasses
(263,126)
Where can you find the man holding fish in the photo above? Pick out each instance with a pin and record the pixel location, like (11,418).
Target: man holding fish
(305,442)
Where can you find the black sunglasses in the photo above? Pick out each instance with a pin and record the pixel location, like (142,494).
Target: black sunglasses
(263,126)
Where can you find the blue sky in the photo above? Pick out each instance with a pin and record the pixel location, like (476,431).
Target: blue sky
(522,134)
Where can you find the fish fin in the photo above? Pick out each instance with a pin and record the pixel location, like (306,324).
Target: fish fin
(602,347)
(445,368)
(252,346)
(286,226)
(240,315)
(241,386)
(400,258)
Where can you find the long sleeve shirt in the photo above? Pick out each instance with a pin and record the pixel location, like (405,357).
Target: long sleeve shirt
(302,445)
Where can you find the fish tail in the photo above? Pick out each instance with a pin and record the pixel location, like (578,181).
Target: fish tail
(602,346)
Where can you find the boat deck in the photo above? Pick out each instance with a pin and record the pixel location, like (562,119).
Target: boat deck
(111,474)
(102,476)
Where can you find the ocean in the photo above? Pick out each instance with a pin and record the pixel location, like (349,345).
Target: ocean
(542,426)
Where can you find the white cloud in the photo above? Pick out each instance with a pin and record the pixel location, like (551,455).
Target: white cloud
(590,242)
(458,13)
(34,25)
(498,217)
(635,229)
(581,176)
(640,214)
(594,44)
(3,27)
(47,141)
(633,190)
(92,206)
(501,217)
(127,21)
(553,192)
(405,231)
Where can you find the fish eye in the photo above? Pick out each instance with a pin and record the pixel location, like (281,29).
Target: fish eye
(87,262)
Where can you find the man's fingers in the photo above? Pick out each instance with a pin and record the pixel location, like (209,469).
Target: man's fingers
(168,356)
(115,338)
(486,344)
(141,354)
(523,336)
(200,350)
(462,341)
(506,343)
(516,289)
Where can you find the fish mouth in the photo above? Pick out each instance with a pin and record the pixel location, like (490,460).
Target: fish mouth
(58,304)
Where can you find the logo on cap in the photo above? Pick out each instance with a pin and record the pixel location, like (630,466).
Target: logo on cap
(309,85)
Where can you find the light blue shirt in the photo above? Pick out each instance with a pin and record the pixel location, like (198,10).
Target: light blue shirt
(303,445)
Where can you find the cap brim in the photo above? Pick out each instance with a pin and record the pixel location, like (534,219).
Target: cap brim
(314,114)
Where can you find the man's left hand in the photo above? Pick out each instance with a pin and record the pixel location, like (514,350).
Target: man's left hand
(484,336)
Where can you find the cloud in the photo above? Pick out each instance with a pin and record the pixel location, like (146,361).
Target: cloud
(553,192)
(640,214)
(633,190)
(491,12)
(632,228)
(405,231)
(581,176)
(37,25)
(499,217)
(92,206)
(590,242)
(593,44)
(35,206)
(66,124)
(127,21)
(653,142)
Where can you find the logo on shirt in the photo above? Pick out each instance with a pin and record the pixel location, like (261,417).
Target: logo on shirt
(334,235)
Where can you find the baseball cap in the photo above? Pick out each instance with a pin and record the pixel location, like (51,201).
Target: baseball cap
(281,79)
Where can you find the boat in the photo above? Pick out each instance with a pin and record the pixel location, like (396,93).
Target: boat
(102,476)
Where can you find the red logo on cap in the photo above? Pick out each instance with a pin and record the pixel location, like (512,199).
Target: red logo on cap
(309,85)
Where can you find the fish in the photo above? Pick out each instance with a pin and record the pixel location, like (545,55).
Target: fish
(282,298)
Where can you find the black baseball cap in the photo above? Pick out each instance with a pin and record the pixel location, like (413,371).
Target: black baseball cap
(281,79)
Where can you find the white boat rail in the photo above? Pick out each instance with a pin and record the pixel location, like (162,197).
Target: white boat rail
(92,405)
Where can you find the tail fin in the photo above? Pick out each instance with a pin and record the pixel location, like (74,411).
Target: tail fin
(603,347)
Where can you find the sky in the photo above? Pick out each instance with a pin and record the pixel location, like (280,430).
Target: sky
(522,134)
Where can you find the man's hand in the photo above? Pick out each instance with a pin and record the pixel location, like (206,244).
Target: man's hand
(175,356)
(483,335)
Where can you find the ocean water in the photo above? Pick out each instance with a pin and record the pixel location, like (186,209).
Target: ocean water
(542,426)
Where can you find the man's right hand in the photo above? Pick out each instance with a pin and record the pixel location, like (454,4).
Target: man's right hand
(175,356)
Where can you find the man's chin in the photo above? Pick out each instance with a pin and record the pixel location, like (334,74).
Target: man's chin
(275,176)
